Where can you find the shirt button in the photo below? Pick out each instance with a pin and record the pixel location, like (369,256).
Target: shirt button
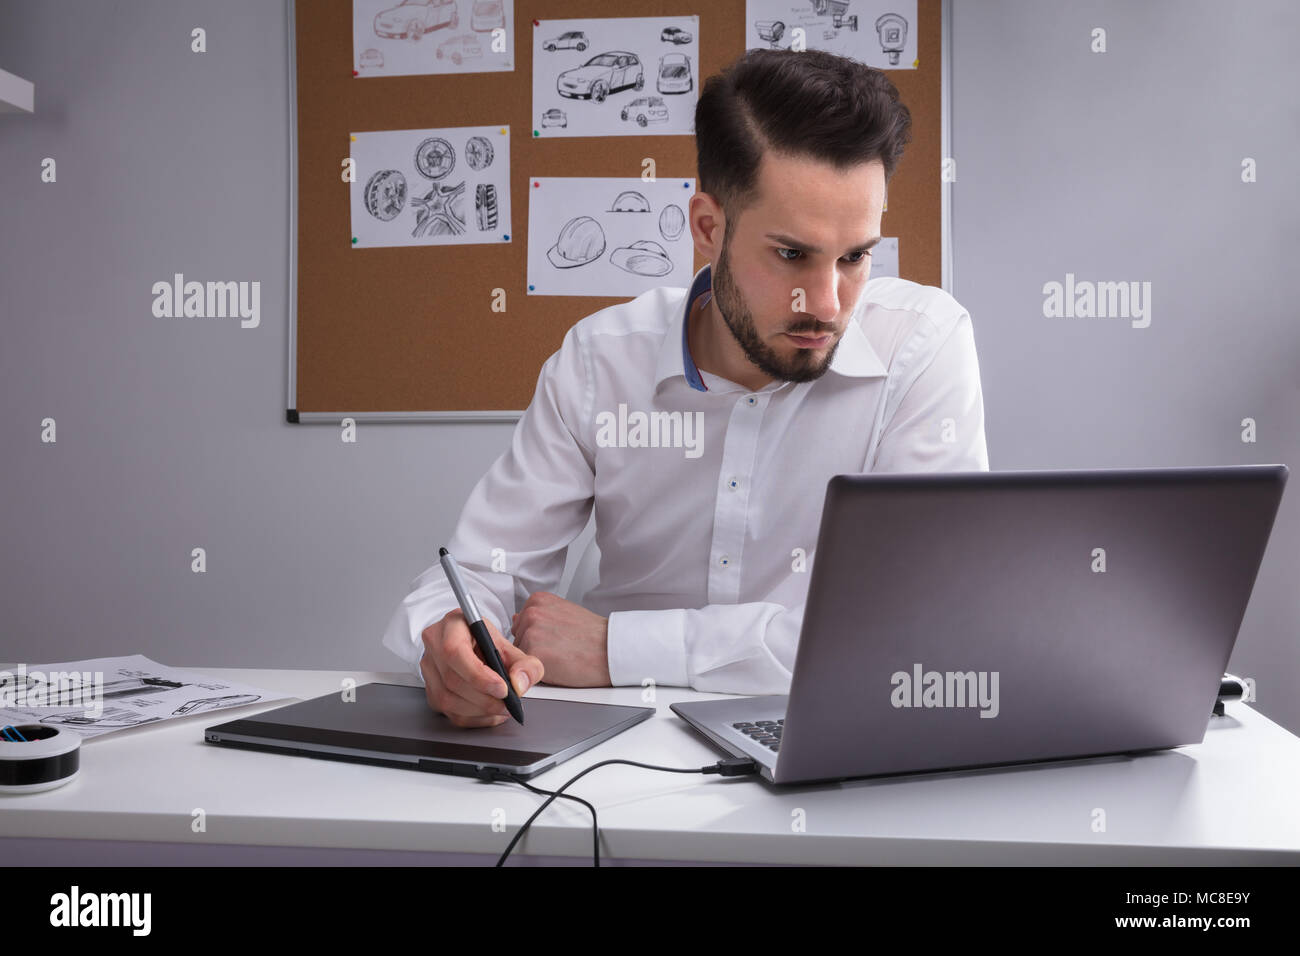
(725,561)
(733,483)
(752,400)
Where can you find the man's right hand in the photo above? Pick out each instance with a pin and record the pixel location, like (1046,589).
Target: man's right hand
(457,681)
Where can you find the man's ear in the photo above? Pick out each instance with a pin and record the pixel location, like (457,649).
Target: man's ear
(708,225)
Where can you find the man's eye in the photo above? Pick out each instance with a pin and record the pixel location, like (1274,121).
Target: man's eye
(853,259)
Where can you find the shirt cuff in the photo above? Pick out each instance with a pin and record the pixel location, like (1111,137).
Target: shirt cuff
(648,644)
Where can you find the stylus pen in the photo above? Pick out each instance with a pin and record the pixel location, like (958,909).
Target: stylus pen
(480,631)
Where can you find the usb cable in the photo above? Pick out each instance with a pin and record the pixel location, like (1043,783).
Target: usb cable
(732,767)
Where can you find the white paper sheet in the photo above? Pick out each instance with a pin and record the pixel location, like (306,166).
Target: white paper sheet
(409,37)
(612,236)
(884,257)
(428,187)
(879,33)
(114,693)
(616,76)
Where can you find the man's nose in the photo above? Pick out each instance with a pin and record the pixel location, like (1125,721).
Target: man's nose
(822,297)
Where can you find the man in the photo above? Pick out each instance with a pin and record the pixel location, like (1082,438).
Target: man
(703,425)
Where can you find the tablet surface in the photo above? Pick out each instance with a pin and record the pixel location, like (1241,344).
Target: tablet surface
(393,725)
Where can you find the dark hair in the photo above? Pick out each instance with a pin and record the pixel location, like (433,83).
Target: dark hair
(809,103)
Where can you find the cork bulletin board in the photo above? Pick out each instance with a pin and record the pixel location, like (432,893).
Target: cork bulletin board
(409,333)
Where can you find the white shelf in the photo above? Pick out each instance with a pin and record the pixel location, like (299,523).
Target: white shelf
(16,94)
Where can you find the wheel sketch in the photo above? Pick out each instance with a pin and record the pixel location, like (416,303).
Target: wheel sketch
(478,152)
(385,194)
(439,213)
(485,205)
(435,158)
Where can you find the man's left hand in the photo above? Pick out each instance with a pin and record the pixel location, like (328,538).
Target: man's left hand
(571,642)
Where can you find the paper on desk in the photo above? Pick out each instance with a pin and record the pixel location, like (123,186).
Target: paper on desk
(100,696)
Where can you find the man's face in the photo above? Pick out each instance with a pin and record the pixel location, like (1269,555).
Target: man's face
(794,262)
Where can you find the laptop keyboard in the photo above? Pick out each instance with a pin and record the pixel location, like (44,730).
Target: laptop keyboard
(766,732)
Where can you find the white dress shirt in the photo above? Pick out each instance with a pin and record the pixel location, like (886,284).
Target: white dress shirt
(701,533)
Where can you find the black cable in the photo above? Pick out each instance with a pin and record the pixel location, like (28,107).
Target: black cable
(595,831)
(733,767)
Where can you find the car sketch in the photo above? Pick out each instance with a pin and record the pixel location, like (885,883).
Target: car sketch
(646,109)
(573,40)
(412,19)
(554,117)
(674,74)
(675,35)
(603,74)
(459,48)
(487,16)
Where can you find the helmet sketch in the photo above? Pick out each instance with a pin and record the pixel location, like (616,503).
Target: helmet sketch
(629,200)
(672,221)
(580,241)
(645,257)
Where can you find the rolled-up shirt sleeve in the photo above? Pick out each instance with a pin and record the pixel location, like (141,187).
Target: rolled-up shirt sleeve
(519,520)
(938,425)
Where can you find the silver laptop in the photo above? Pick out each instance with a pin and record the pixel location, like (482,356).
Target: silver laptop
(981,618)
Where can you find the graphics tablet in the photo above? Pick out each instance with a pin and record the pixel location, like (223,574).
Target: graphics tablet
(392,725)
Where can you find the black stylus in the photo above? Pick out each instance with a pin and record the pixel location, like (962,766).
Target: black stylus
(480,631)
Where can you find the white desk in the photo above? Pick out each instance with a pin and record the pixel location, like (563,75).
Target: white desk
(1229,801)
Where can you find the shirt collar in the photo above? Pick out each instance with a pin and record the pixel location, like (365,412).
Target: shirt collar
(855,357)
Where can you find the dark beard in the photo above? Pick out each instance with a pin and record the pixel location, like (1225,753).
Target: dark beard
(802,366)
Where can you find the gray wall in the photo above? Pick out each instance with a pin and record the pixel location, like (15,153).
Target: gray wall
(1122,166)
(1127,166)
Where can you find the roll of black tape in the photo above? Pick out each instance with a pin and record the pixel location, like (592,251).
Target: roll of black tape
(36,757)
(1231,688)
